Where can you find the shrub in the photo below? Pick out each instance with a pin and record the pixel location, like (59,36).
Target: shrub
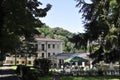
(23,71)
(43,65)
(100,72)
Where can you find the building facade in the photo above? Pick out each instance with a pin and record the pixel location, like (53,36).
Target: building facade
(19,60)
(45,47)
(59,58)
(48,47)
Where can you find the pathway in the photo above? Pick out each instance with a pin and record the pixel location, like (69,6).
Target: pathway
(6,73)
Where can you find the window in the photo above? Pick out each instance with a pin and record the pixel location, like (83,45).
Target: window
(29,62)
(17,62)
(23,62)
(11,62)
(22,55)
(42,55)
(48,54)
(53,53)
(60,61)
(48,45)
(53,46)
(36,47)
(43,47)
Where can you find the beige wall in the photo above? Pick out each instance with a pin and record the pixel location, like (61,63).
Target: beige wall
(19,60)
(48,51)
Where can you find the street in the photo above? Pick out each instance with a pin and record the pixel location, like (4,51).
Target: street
(6,73)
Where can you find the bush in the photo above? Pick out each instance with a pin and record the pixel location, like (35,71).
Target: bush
(22,68)
(29,74)
(43,65)
(100,72)
(18,70)
(23,71)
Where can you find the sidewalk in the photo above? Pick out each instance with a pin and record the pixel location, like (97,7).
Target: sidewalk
(6,73)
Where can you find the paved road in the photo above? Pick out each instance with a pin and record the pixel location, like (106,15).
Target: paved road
(6,73)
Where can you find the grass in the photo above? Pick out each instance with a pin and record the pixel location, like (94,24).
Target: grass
(88,78)
(79,78)
(73,78)
(0,67)
(14,67)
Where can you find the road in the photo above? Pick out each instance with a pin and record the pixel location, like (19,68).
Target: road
(6,73)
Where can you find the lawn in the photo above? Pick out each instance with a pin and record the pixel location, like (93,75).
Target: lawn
(13,67)
(79,78)
(73,78)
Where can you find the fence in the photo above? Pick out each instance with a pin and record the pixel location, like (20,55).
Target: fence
(93,73)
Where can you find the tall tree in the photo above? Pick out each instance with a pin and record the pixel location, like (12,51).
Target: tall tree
(59,33)
(18,18)
(80,40)
(102,23)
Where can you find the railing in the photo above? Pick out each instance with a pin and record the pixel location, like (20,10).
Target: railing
(96,73)
(92,73)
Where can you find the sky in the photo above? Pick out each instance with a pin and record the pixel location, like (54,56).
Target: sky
(63,14)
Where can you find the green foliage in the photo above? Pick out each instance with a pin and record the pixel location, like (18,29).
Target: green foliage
(59,33)
(18,19)
(80,41)
(43,65)
(26,73)
(22,70)
(102,18)
(80,78)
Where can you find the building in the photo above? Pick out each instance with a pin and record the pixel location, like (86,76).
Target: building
(48,47)
(45,47)
(59,58)
(20,59)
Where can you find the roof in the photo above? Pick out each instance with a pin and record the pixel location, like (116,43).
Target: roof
(75,59)
(73,54)
(64,54)
(47,39)
(61,55)
(80,54)
(83,55)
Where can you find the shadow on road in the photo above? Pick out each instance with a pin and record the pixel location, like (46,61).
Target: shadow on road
(8,74)
(9,78)
(7,71)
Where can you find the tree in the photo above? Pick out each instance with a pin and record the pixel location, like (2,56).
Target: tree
(43,65)
(45,31)
(102,17)
(18,18)
(80,40)
(59,33)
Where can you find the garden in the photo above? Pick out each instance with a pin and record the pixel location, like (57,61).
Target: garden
(41,71)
